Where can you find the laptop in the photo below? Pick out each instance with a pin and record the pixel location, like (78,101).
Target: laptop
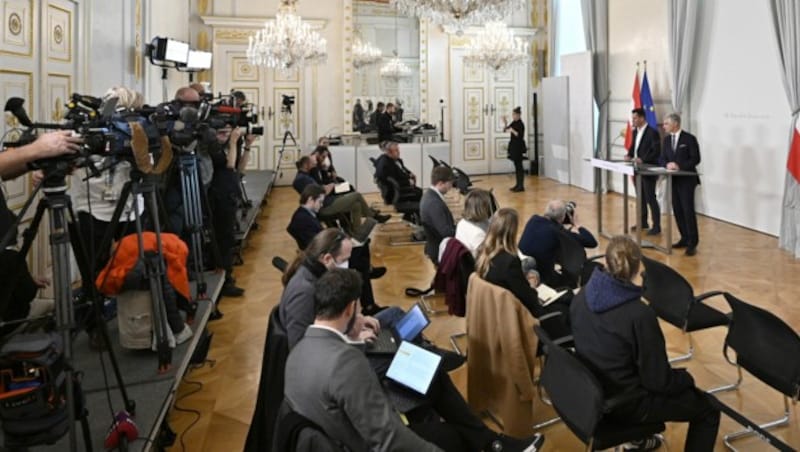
(407,328)
(413,367)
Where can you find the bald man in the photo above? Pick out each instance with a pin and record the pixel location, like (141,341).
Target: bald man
(199,88)
(187,94)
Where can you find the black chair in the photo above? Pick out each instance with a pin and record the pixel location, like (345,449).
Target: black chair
(296,433)
(578,398)
(769,349)
(270,386)
(576,267)
(391,195)
(435,161)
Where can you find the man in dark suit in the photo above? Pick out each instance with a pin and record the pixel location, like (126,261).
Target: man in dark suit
(681,152)
(434,213)
(646,149)
(386,124)
(304,226)
(391,165)
(331,383)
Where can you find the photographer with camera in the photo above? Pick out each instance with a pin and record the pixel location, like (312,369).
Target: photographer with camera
(540,238)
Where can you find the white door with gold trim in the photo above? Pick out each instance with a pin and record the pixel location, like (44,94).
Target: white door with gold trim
(480,101)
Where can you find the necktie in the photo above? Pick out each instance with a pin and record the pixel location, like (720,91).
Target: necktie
(674,142)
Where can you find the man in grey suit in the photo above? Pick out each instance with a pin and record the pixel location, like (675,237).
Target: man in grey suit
(330,382)
(435,215)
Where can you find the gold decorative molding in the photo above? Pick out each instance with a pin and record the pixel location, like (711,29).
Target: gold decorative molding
(347,58)
(202,7)
(232,35)
(60,40)
(17,29)
(138,52)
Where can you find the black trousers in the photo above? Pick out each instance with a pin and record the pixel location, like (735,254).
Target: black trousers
(649,199)
(224,207)
(683,205)
(519,172)
(692,406)
(461,429)
(361,262)
(413,194)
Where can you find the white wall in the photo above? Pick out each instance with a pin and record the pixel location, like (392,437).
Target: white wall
(740,115)
(165,19)
(111,46)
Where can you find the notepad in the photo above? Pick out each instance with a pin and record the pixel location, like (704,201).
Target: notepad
(344,187)
(547,294)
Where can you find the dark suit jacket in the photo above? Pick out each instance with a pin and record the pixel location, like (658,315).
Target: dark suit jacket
(332,384)
(516,146)
(686,154)
(303,227)
(540,241)
(385,127)
(301,181)
(386,167)
(505,271)
(649,149)
(434,212)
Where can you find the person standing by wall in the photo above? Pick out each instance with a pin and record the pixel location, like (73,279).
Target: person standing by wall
(516,146)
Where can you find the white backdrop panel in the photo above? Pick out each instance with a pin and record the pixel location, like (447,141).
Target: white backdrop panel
(555,126)
(578,67)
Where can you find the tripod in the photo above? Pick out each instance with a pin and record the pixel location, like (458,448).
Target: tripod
(59,207)
(286,136)
(193,215)
(154,267)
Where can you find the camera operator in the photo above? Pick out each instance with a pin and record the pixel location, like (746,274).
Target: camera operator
(540,239)
(19,288)
(224,194)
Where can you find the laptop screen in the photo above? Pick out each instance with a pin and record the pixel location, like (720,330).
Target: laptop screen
(411,324)
(414,367)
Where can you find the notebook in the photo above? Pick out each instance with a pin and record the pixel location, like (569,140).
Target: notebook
(547,294)
(414,367)
(406,329)
(341,188)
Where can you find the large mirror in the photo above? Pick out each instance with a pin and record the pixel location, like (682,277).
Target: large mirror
(378,24)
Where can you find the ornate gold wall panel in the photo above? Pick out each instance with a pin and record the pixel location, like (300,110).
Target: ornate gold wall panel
(59,33)
(16,37)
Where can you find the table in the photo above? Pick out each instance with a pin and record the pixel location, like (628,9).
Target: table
(630,169)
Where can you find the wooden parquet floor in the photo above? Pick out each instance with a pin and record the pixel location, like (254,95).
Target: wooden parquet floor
(730,258)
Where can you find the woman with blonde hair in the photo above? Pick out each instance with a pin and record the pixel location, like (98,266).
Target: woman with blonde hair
(619,336)
(498,263)
(479,205)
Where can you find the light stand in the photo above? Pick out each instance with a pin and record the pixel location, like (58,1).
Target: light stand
(441,115)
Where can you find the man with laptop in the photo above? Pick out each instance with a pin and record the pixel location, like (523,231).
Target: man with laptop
(330,382)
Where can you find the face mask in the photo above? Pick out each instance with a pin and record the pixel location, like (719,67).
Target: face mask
(326,163)
(344,264)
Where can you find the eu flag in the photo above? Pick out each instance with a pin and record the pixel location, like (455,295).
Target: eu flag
(647,103)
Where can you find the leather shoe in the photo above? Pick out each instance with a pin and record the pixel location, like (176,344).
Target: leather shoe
(231,290)
(654,231)
(377,272)
(634,228)
(679,244)
(380,218)
(517,189)
(506,443)
(691,251)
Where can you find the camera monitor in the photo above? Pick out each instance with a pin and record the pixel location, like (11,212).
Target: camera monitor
(199,60)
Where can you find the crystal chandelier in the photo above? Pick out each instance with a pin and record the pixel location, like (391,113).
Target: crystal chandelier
(395,69)
(365,54)
(456,15)
(286,43)
(496,47)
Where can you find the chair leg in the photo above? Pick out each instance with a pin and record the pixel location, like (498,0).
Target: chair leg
(729,438)
(453,342)
(729,387)
(686,356)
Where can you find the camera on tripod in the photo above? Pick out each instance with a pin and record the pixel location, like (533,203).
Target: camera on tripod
(286,104)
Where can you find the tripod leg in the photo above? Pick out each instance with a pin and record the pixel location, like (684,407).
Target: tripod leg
(193,217)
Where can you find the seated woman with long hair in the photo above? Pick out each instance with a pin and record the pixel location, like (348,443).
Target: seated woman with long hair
(478,209)
(498,263)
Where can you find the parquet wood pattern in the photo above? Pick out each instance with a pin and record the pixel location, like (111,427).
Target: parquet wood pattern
(731,258)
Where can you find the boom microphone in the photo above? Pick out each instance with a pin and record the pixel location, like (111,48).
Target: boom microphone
(14,106)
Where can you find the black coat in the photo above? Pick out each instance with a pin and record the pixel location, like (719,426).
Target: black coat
(686,154)
(385,127)
(516,146)
(303,227)
(649,149)
(505,271)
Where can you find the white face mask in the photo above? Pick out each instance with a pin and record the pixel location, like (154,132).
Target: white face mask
(326,163)
(344,264)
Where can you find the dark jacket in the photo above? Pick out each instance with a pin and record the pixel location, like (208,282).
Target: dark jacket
(686,154)
(303,227)
(516,146)
(296,308)
(620,338)
(386,167)
(505,271)
(436,215)
(540,241)
(649,148)
(452,276)
(301,181)
(385,127)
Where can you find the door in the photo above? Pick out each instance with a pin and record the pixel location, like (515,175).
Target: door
(480,101)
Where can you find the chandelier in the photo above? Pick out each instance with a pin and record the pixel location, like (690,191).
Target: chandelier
(395,69)
(496,48)
(286,43)
(456,15)
(365,54)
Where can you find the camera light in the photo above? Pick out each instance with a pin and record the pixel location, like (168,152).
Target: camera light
(166,49)
(199,60)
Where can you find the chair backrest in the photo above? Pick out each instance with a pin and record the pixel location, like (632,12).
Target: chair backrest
(296,433)
(572,257)
(435,162)
(765,346)
(462,182)
(667,292)
(576,393)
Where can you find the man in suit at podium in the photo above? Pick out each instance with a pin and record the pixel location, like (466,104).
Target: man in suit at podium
(681,152)
(646,149)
